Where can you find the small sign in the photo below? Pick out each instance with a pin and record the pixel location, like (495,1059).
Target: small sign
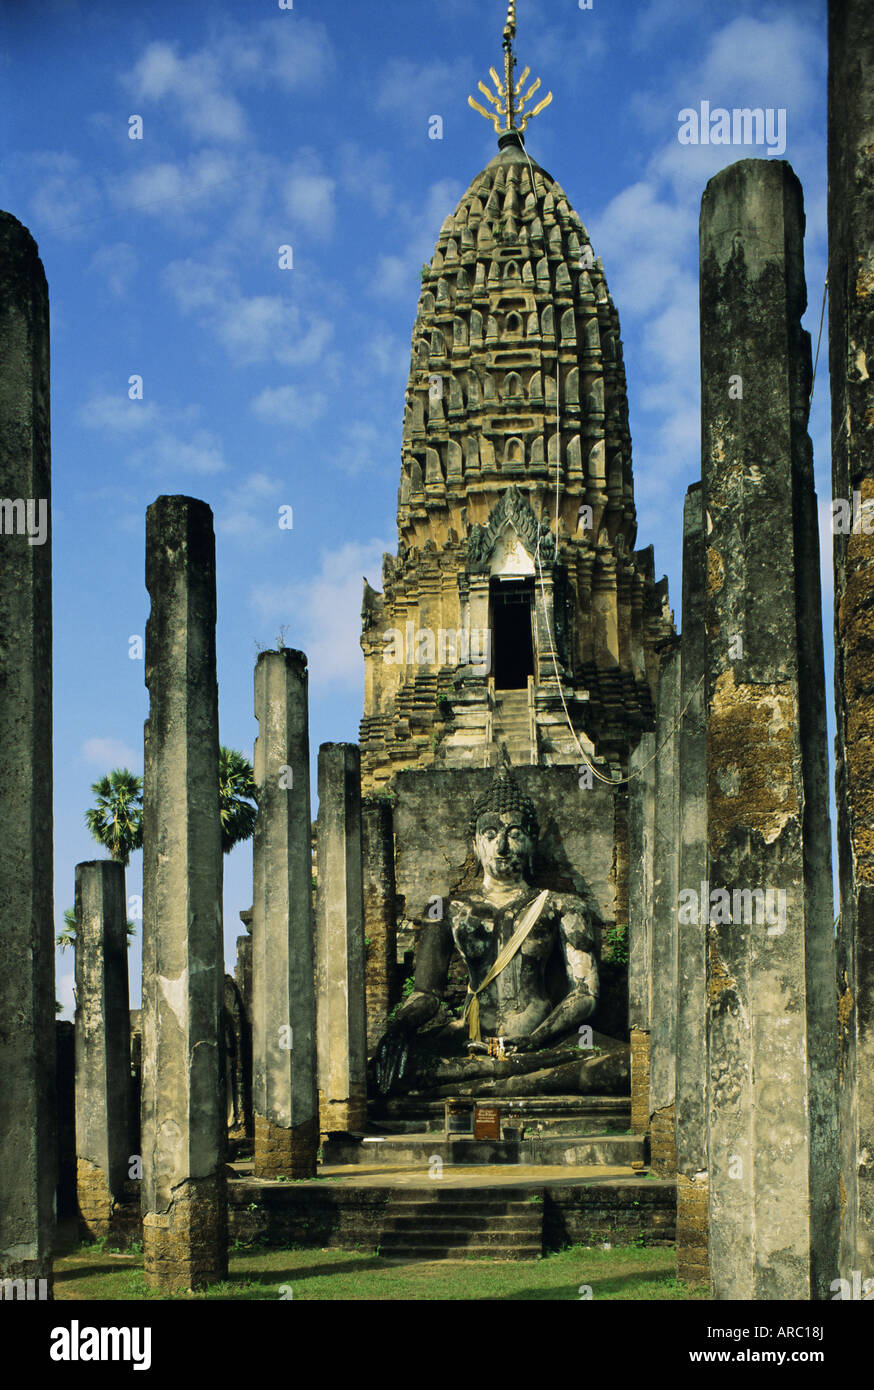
(486,1122)
(459,1117)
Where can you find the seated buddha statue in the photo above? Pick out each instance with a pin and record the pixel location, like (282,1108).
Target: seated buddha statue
(532,978)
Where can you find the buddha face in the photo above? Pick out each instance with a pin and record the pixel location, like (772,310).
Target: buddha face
(503,846)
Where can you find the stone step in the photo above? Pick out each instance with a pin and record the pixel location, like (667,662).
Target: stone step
(458,1232)
(434,1194)
(424,1237)
(464,1252)
(528,1106)
(616,1150)
(575,1126)
(430,1214)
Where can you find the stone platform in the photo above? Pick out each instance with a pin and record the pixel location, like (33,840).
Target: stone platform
(547,1115)
(610,1150)
(557,1131)
(423,1211)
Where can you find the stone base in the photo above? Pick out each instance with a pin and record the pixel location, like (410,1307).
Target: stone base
(285,1153)
(94,1200)
(692,1230)
(345,1215)
(347,1116)
(663,1142)
(639,1081)
(187,1246)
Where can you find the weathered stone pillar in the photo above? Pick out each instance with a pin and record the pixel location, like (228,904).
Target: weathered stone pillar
(342,1032)
(183,1106)
(771,1003)
(851,339)
(692,1191)
(103,1073)
(663,941)
(283,985)
(641,809)
(28,1163)
(380,921)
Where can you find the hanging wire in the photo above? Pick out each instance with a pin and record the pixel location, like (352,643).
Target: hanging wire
(818,341)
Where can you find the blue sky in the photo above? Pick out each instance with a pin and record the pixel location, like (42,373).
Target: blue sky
(266,387)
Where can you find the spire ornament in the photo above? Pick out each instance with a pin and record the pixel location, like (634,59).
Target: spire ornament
(507,97)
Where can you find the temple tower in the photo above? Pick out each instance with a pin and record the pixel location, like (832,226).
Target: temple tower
(516,610)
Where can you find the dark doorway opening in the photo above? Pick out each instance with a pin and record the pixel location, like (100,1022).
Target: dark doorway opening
(512,643)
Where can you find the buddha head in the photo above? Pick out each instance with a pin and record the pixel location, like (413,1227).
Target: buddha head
(504,831)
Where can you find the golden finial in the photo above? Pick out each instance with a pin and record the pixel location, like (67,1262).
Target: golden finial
(509,102)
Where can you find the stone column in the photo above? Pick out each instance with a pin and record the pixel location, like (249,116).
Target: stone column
(692,1192)
(641,808)
(666,834)
(283,986)
(183,1105)
(380,922)
(103,1073)
(851,342)
(28,1137)
(771,1004)
(342,1032)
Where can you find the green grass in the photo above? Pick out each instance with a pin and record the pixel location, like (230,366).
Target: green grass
(623,1273)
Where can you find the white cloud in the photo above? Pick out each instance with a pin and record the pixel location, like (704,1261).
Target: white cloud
(417,90)
(195,86)
(109,753)
(325,613)
(116,414)
(368,447)
(169,440)
(290,406)
(309,196)
(66,198)
(251,508)
(366,176)
(201,453)
(174,191)
(116,265)
(397,274)
(292,52)
(645,241)
(254,328)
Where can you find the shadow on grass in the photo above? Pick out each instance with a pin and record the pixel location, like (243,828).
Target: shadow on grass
(611,1287)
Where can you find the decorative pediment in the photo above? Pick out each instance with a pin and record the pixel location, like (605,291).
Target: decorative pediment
(513,510)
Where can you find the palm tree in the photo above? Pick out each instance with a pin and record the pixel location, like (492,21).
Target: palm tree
(236,795)
(116,822)
(67,937)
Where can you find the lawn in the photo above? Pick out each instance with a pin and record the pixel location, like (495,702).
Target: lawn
(622,1273)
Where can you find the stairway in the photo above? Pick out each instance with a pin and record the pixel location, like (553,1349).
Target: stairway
(463,1223)
(510,725)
